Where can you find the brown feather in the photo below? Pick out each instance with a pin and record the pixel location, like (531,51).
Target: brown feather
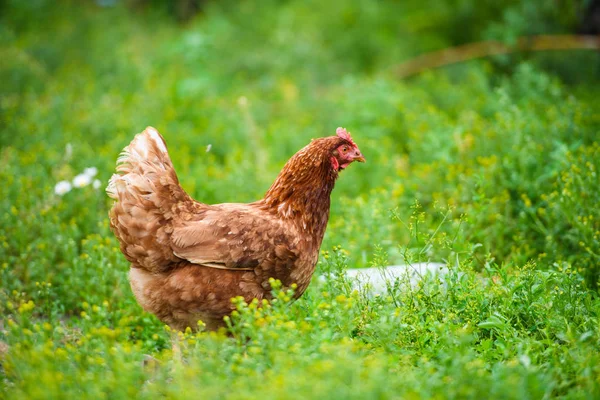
(189,259)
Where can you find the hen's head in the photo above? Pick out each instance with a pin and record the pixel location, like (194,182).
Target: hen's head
(344,151)
(303,186)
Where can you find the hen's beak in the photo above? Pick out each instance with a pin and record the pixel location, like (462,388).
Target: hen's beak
(359,157)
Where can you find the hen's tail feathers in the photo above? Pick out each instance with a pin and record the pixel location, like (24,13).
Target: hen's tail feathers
(146,189)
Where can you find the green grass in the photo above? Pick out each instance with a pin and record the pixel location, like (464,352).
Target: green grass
(491,166)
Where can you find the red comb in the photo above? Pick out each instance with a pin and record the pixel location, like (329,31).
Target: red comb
(343,133)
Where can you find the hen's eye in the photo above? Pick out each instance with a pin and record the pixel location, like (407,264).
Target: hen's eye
(344,149)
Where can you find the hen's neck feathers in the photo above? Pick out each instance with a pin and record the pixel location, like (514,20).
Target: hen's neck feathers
(302,189)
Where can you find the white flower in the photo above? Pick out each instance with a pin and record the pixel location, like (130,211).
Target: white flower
(96,184)
(208,148)
(82,180)
(91,171)
(62,187)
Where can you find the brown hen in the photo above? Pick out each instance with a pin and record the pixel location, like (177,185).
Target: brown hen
(188,259)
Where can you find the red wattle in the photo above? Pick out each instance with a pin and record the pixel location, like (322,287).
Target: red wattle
(335,163)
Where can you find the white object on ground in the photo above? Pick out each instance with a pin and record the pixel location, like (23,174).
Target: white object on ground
(377,279)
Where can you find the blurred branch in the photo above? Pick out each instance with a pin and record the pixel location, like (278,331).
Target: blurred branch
(488,48)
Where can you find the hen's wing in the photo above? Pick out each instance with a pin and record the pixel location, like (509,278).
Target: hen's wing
(237,237)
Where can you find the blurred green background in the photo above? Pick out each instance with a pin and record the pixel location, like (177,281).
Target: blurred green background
(488,163)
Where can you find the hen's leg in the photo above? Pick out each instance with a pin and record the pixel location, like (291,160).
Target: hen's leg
(176,348)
